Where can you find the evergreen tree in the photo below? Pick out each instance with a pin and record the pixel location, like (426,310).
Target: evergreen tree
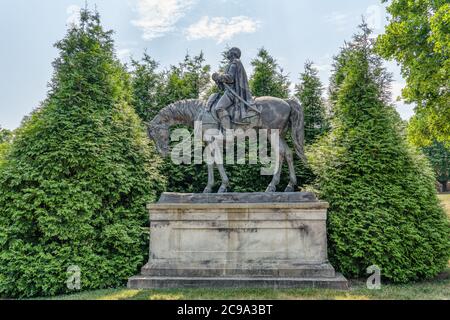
(309,91)
(146,84)
(383,205)
(268,78)
(187,80)
(78,176)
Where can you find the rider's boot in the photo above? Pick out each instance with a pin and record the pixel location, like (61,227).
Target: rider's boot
(225,119)
(225,122)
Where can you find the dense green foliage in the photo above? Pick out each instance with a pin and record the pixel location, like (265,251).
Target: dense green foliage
(418,37)
(439,156)
(383,205)
(77,177)
(310,94)
(5,135)
(146,86)
(268,78)
(5,139)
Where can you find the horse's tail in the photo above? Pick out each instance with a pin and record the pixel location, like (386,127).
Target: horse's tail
(297,127)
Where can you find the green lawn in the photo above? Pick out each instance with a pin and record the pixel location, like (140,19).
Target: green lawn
(438,288)
(445,199)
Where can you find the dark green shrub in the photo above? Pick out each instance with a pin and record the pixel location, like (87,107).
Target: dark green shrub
(77,177)
(384,210)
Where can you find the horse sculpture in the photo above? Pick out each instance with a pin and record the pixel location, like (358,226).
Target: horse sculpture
(274,114)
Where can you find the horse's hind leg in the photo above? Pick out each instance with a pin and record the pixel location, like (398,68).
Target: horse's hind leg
(277,176)
(225,181)
(292,176)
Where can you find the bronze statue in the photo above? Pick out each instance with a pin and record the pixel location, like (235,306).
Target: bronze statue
(236,92)
(263,113)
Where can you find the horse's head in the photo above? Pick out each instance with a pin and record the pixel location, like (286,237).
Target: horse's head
(159,133)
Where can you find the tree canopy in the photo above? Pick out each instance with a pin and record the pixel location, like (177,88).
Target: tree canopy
(268,78)
(418,37)
(439,156)
(310,94)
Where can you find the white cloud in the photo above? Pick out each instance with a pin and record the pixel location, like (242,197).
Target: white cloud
(158,17)
(341,20)
(74,14)
(221,28)
(124,54)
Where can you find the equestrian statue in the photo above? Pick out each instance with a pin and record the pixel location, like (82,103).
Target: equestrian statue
(234,108)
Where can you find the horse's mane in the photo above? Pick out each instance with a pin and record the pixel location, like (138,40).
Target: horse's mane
(184,110)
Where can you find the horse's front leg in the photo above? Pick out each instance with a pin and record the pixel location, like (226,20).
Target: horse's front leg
(225,181)
(210,184)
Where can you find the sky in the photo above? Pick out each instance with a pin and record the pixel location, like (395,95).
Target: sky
(293,31)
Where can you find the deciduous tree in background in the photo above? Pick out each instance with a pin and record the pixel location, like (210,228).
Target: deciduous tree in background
(5,139)
(439,156)
(418,37)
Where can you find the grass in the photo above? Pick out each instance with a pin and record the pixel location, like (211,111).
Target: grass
(427,290)
(435,289)
(445,199)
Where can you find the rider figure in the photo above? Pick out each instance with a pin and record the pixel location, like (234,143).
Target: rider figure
(234,78)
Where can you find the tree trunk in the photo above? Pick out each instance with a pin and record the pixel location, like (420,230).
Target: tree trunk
(444,185)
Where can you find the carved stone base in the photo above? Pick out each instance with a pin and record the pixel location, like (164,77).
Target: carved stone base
(238,240)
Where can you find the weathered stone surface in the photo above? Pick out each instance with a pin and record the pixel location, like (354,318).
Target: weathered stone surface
(267,269)
(279,244)
(145,282)
(256,197)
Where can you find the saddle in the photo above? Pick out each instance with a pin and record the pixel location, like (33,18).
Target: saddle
(241,116)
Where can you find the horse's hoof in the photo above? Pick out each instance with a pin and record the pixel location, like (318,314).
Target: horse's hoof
(289,189)
(222,189)
(271,189)
(207,190)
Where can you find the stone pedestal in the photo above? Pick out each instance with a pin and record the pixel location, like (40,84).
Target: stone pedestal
(275,240)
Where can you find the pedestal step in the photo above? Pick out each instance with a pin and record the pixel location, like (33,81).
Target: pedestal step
(301,271)
(149,282)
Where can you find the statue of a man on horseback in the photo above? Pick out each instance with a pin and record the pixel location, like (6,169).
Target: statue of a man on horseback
(235,108)
(236,98)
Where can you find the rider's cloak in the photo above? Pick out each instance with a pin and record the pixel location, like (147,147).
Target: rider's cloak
(238,81)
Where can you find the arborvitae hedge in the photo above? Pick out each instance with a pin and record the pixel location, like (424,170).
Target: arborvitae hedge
(77,177)
(384,210)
